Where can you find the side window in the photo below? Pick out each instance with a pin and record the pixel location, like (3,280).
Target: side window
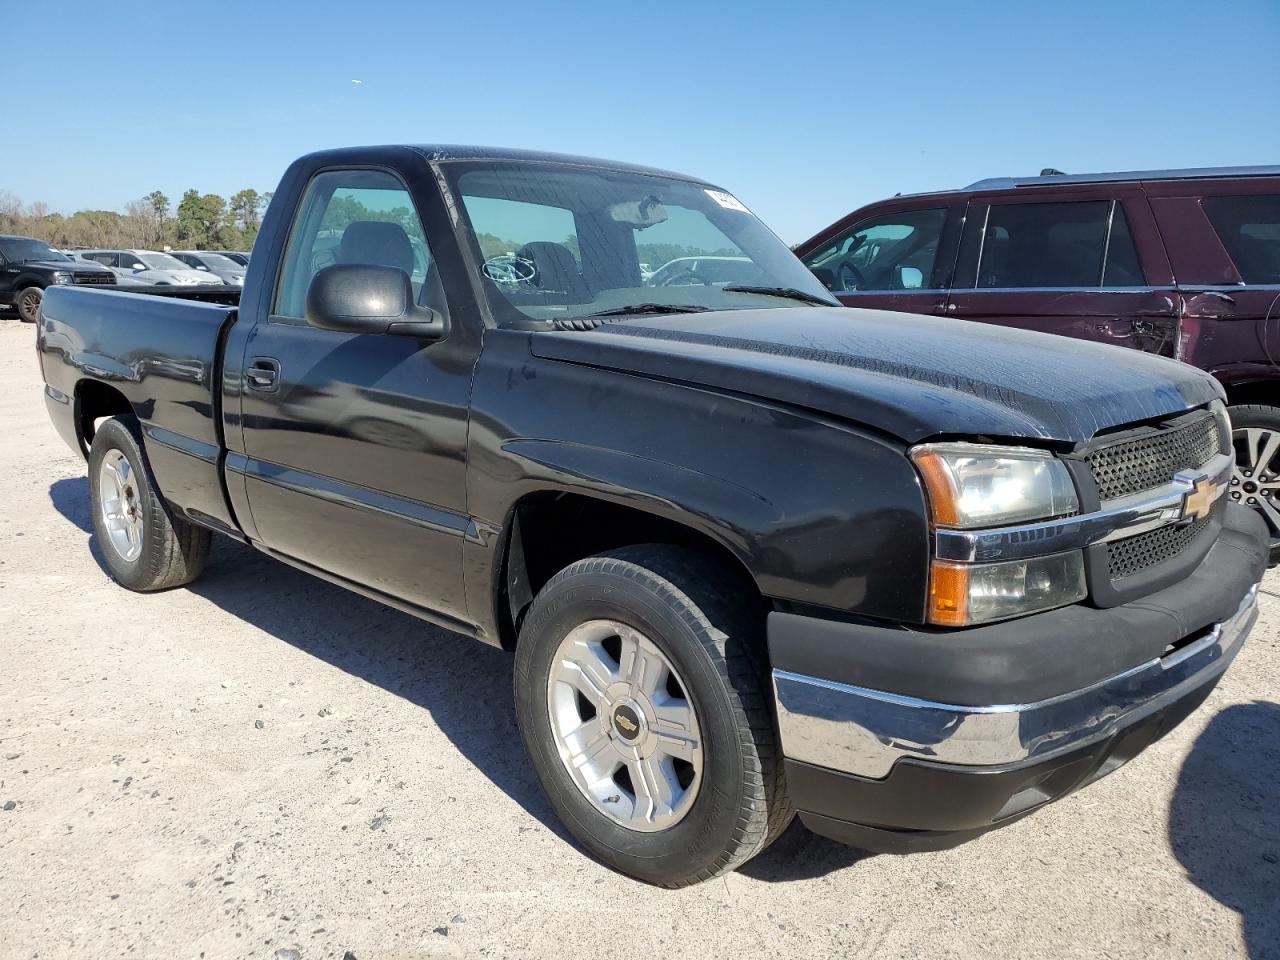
(1249,228)
(354,217)
(891,252)
(1122,268)
(130,262)
(1075,244)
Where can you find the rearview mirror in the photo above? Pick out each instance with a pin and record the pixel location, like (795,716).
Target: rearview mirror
(359,298)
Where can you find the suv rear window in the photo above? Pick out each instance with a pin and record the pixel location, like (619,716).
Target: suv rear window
(1076,244)
(1249,228)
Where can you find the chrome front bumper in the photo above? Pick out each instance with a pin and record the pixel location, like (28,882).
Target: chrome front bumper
(865,732)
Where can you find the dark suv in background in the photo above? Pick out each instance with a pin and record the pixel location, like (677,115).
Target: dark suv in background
(28,266)
(1182,263)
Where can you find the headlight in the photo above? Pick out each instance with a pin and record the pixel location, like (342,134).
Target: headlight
(62,278)
(984,485)
(962,594)
(972,485)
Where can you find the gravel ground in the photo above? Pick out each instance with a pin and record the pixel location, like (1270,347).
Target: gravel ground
(263,763)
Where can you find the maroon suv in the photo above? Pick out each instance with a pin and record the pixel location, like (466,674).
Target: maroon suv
(1183,263)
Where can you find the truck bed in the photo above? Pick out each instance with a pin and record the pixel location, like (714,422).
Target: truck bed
(161,355)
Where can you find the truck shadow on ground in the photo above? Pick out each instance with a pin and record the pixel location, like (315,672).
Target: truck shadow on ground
(1224,822)
(463,684)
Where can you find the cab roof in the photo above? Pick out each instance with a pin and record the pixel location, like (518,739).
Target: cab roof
(444,152)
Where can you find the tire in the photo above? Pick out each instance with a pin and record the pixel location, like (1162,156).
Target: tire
(1253,427)
(144,545)
(28,304)
(692,614)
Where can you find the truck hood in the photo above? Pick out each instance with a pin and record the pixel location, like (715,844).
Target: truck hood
(910,376)
(79,266)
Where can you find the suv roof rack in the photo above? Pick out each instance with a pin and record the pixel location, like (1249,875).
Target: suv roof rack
(1192,173)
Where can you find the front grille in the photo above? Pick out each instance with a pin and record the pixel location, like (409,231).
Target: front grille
(105,277)
(1152,459)
(1134,554)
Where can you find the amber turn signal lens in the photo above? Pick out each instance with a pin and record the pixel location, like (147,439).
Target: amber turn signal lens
(937,481)
(949,594)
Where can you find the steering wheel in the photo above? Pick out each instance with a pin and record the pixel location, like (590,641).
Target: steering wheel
(507,269)
(849,277)
(323,258)
(686,279)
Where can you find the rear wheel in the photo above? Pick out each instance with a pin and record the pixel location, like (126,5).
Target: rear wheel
(642,699)
(144,546)
(29,304)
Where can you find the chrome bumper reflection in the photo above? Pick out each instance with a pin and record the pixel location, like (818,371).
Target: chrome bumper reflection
(865,732)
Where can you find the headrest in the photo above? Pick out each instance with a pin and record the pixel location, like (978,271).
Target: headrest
(376,243)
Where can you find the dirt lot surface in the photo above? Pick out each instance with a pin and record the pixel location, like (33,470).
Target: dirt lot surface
(263,765)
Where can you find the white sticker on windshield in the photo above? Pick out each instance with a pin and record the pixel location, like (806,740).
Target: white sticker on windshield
(727,200)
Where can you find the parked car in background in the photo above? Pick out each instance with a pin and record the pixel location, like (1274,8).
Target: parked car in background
(1181,263)
(28,266)
(149,267)
(224,268)
(705,270)
(238,256)
(755,553)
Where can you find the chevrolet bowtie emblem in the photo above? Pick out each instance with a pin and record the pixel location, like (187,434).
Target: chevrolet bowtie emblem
(1200,500)
(625,724)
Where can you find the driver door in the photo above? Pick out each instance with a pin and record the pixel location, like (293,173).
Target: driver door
(356,443)
(897,259)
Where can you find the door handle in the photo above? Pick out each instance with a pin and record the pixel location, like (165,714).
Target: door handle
(263,374)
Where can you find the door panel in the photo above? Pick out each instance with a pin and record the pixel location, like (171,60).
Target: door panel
(1067,264)
(356,459)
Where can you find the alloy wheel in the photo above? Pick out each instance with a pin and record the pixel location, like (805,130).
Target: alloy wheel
(624,725)
(120,505)
(1255,479)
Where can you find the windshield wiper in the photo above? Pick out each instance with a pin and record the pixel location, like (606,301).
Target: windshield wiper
(635,308)
(791,293)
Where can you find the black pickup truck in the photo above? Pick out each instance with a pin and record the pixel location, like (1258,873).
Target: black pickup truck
(29,266)
(755,553)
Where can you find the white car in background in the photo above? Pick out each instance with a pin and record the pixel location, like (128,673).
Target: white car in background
(206,261)
(150,267)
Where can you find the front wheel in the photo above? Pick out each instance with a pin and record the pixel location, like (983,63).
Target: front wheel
(29,301)
(642,699)
(143,545)
(1255,481)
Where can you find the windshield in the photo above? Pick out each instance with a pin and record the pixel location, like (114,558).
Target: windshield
(162,261)
(216,261)
(559,242)
(18,249)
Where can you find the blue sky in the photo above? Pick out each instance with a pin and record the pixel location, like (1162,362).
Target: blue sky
(804,111)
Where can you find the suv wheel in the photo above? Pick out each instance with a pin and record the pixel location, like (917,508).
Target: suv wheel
(29,304)
(1255,482)
(642,699)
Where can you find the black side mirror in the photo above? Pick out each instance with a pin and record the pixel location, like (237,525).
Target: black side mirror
(358,298)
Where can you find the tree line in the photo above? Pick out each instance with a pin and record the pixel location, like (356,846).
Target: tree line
(201,221)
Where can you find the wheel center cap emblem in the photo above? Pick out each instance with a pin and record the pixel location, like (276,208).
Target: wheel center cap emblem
(626,722)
